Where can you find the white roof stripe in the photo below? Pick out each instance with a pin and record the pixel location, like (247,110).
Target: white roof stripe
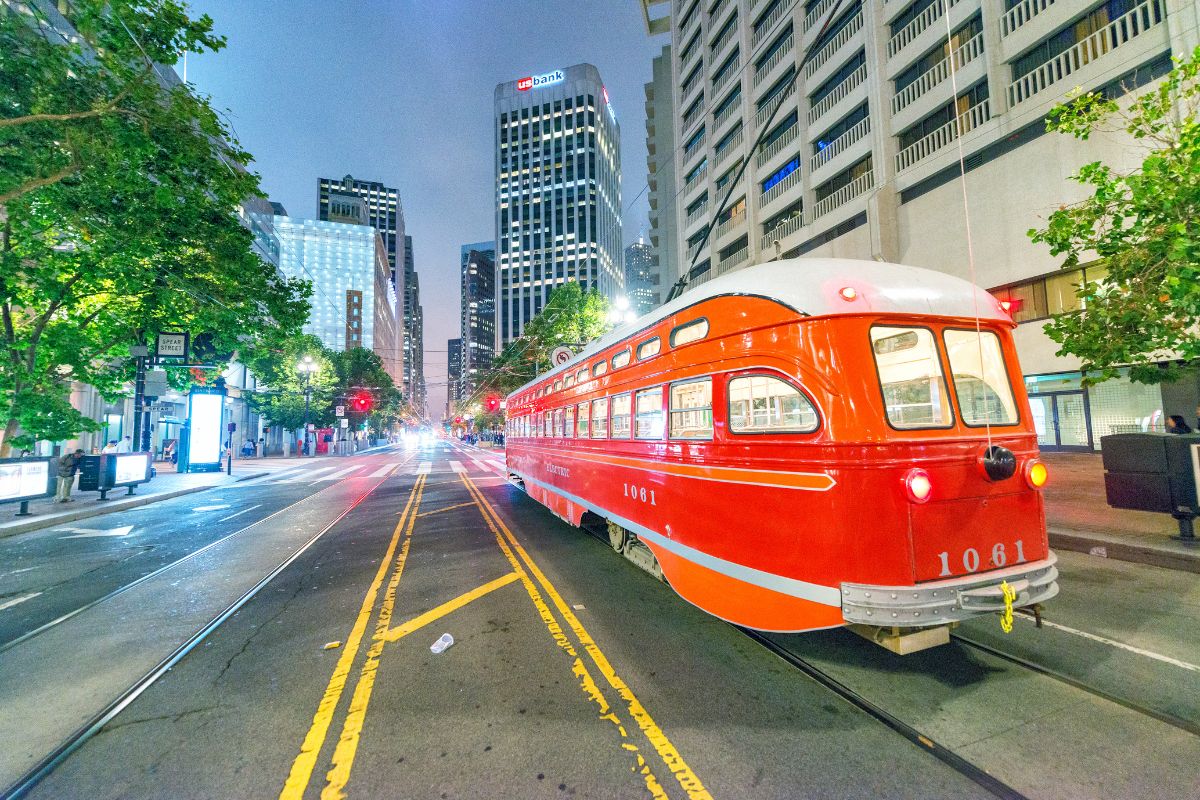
(811,286)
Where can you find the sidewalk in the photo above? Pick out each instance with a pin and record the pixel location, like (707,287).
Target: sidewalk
(1079,518)
(166,484)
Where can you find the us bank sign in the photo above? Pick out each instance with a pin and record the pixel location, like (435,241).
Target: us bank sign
(538,81)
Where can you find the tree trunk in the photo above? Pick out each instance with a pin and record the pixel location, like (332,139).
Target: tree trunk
(10,430)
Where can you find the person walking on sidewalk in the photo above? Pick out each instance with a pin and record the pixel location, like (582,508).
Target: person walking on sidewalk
(125,445)
(68,465)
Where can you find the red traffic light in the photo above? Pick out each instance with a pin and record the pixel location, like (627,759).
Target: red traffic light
(458,420)
(361,403)
(492,403)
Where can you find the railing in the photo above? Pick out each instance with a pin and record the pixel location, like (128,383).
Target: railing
(718,11)
(730,70)
(792,180)
(691,84)
(696,179)
(765,68)
(921,149)
(822,157)
(763,114)
(719,45)
(694,114)
(731,223)
(1110,37)
(852,82)
(697,213)
(965,54)
(775,147)
(781,231)
(915,28)
(695,146)
(727,146)
(689,54)
(845,194)
(694,249)
(825,53)
(1021,13)
(740,255)
(687,25)
(764,25)
(726,114)
(816,13)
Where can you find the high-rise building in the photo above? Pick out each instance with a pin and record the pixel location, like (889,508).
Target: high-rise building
(353,303)
(413,333)
(876,118)
(558,191)
(660,162)
(478,315)
(641,278)
(454,350)
(380,207)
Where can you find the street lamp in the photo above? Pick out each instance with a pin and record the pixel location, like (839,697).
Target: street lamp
(621,312)
(308,367)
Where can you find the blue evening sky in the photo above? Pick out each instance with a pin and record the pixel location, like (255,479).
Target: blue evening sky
(401,92)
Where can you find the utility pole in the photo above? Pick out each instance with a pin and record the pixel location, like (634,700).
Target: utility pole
(141,415)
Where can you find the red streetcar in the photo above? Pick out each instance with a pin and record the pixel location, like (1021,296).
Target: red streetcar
(805,444)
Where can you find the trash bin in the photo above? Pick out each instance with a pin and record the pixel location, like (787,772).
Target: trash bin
(1154,472)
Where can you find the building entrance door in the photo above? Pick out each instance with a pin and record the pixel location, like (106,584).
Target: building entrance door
(1062,421)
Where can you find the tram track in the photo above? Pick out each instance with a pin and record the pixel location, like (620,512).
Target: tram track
(96,723)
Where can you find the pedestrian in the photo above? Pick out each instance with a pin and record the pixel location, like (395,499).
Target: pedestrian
(247,448)
(1175,424)
(125,445)
(68,465)
(111,447)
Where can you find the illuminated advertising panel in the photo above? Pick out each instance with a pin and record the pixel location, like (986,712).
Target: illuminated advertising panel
(132,468)
(204,413)
(24,479)
(538,81)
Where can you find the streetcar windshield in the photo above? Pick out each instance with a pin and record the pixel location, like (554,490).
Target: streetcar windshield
(910,374)
(977,364)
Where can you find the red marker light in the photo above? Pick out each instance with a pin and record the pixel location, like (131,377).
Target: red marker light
(848,293)
(918,485)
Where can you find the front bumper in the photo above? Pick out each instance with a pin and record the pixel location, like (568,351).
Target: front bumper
(950,600)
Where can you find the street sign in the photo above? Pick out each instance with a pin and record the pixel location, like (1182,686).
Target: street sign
(345,423)
(156,383)
(160,408)
(172,345)
(561,355)
(312,426)
(339,411)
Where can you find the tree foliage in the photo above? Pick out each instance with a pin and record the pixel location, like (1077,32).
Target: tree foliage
(1143,226)
(361,370)
(119,197)
(571,317)
(282,403)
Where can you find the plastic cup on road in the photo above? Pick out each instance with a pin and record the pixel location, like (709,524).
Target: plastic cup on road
(441,644)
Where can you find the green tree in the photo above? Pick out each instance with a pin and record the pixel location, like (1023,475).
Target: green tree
(1143,226)
(571,317)
(119,197)
(361,370)
(282,403)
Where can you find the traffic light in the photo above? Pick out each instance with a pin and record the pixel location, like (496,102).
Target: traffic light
(492,403)
(361,403)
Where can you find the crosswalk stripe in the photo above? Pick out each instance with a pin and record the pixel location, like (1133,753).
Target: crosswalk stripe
(383,471)
(425,468)
(339,474)
(457,466)
(300,477)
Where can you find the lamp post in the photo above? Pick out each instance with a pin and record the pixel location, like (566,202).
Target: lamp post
(308,367)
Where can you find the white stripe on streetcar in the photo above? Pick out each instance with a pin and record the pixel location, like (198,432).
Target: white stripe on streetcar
(1113,642)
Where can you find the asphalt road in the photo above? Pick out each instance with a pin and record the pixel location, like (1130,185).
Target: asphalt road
(572,672)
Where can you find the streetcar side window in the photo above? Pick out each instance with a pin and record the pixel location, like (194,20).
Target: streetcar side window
(649,348)
(910,375)
(569,427)
(980,380)
(568,381)
(583,420)
(547,424)
(691,409)
(649,420)
(557,385)
(582,375)
(689,332)
(621,359)
(599,368)
(600,418)
(558,423)
(764,404)
(620,415)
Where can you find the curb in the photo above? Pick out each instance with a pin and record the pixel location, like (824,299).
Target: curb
(117,505)
(1167,558)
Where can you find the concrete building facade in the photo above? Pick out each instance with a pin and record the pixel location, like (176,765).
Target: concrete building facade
(366,203)
(478,313)
(660,163)
(642,284)
(865,108)
(558,191)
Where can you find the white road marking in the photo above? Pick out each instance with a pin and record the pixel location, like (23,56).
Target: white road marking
(1113,642)
(19,571)
(425,468)
(457,466)
(341,473)
(238,514)
(212,508)
(86,533)
(16,601)
(303,476)
(384,471)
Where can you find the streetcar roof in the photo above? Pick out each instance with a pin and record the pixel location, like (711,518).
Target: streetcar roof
(812,287)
